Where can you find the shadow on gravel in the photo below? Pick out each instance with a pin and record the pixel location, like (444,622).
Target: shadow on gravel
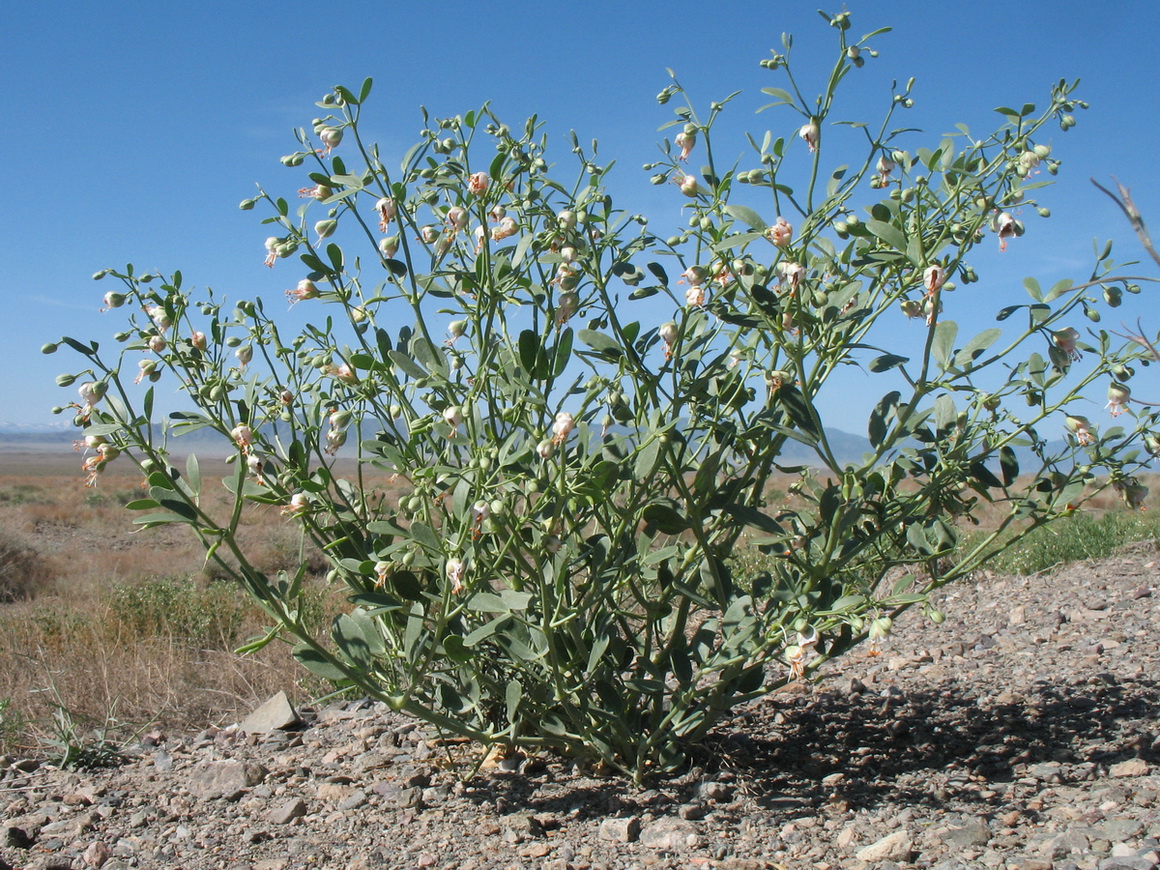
(928,746)
(936,747)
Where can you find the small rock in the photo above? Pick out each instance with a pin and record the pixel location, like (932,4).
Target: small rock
(1132,767)
(225,779)
(667,833)
(285,813)
(96,854)
(717,792)
(892,847)
(624,830)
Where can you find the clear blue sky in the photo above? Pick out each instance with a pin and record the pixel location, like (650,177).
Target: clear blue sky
(133,129)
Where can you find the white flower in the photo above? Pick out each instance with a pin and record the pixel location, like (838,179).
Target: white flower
(455,571)
(563,427)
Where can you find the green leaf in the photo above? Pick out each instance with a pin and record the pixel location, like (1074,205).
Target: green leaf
(659,272)
(366,90)
(562,353)
(512,697)
(944,342)
(486,630)
(976,346)
(488,602)
(799,411)
(747,216)
(407,364)
(780,95)
(1058,289)
(888,233)
(665,518)
(1032,288)
(1007,312)
(886,362)
(317,664)
(1009,465)
(604,345)
(753,517)
(878,428)
(193,473)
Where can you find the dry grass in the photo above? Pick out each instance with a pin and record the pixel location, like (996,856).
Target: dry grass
(125,627)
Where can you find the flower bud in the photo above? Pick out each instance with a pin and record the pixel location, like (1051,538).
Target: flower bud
(198,340)
(457,218)
(245,353)
(668,332)
(330,137)
(113,299)
(325,229)
(456,328)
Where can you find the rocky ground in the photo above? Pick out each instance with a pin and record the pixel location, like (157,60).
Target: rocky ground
(1022,733)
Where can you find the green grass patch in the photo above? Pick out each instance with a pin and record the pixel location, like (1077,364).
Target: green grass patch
(1079,537)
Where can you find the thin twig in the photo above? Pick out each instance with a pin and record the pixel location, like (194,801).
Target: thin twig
(1124,201)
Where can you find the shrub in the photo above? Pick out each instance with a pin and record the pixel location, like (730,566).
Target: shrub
(577,465)
(23,572)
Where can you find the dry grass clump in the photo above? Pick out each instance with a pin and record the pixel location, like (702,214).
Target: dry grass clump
(129,628)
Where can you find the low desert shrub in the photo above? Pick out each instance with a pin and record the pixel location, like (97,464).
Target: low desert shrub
(581,416)
(24,572)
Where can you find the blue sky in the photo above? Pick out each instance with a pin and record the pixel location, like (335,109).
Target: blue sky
(134,129)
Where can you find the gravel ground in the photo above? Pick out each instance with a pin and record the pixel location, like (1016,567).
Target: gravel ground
(1022,733)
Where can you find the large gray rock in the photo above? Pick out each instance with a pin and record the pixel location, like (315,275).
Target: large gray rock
(892,847)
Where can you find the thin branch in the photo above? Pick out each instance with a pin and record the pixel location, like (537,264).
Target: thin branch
(1124,201)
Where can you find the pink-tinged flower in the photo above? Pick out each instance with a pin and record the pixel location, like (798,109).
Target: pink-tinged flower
(319,191)
(506,229)
(694,275)
(566,277)
(457,218)
(478,183)
(669,333)
(245,353)
(1065,339)
(389,246)
(335,438)
(566,220)
(113,299)
(147,368)
(568,254)
(885,165)
(480,511)
(791,274)
(243,436)
(545,449)
(497,213)
(688,185)
(91,393)
(343,373)
(158,316)
(428,234)
(1132,492)
(456,329)
(306,289)
(455,571)
(157,343)
(686,142)
(198,340)
(780,233)
(932,308)
(330,137)
(452,416)
(1118,397)
(695,296)
(563,427)
(94,465)
(286,398)
(382,570)
(299,504)
(388,209)
(933,277)
(1006,227)
(256,465)
(567,304)
(272,245)
(1081,428)
(911,308)
(809,133)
